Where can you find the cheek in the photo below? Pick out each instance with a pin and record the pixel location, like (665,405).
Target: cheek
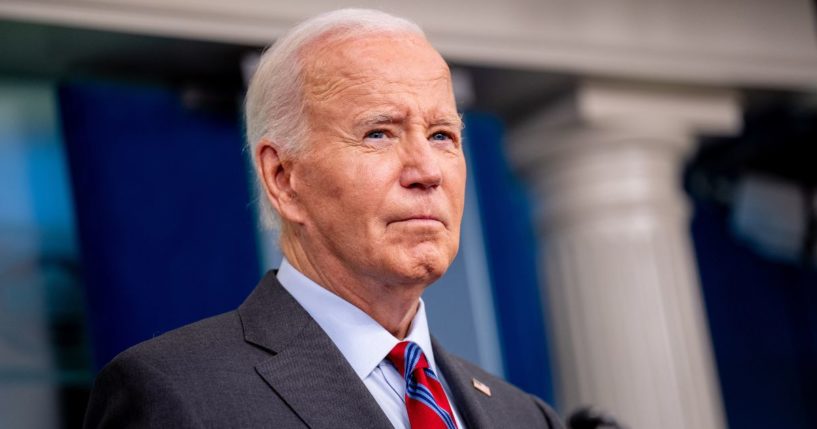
(333,191)
(369,182)
(323,191)
(354,189)
(457,180)
(319,192)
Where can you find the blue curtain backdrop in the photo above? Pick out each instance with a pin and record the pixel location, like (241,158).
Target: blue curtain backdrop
(163,210)
(511,251)
(763,320)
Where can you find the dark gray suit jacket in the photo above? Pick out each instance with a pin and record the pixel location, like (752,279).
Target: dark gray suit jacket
(269,364)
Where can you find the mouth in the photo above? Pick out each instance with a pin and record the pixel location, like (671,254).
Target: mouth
(419,220)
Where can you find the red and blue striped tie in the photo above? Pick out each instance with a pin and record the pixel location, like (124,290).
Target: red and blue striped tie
(426,403)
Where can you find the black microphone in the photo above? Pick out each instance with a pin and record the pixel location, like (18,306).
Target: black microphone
(592,418)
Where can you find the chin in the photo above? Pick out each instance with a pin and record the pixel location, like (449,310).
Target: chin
(424,266)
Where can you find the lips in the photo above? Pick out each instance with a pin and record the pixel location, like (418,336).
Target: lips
(418,218)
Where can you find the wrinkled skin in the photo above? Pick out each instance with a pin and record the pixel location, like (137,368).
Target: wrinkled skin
(372,208)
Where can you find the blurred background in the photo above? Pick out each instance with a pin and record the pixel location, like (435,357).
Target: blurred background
(640,233)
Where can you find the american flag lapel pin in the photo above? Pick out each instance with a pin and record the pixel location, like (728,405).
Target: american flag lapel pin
(482,387)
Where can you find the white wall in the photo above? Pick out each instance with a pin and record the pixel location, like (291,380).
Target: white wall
(717,42)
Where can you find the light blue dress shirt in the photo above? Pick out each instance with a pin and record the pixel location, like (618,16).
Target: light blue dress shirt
(364,342)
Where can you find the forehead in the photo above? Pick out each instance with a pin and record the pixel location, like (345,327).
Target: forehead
(372,67)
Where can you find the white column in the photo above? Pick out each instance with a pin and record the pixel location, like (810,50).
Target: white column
(623,294)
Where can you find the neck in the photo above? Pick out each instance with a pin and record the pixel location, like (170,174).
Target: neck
(392,305)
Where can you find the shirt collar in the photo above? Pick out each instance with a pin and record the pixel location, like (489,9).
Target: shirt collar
(361,340)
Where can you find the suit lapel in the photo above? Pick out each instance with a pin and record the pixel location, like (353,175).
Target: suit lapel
(306,370)
(468,400)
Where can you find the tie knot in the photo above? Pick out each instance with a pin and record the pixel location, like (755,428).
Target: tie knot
(407,357)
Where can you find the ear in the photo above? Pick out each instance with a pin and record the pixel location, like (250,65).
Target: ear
(276,179)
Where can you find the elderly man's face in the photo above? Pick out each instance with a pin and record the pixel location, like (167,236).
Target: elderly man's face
(382,182)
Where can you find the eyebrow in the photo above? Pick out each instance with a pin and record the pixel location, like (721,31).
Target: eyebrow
(453,122)
(382,119)
(391,118)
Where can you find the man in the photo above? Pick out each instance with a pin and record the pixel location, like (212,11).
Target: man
(356,140)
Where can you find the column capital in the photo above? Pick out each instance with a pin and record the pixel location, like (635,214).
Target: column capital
(612,112)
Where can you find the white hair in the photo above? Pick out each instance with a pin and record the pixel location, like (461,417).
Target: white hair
(275,107)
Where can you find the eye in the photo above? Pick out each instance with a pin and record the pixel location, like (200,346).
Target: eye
(440,136)
(444,138)
(376,134)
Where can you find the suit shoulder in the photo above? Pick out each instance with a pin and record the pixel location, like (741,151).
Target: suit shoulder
(190,342)
(149,384)
(188,377)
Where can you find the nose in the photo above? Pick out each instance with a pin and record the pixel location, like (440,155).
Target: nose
(421,168)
